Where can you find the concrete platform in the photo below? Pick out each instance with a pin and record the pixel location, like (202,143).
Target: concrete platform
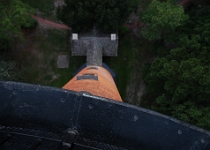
(63,61)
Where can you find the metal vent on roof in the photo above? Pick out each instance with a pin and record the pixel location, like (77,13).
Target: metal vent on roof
(74,36)
(90,68)
(113,37)
(88,77)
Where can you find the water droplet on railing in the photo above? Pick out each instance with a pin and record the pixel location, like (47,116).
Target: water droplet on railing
(90,106)
(135,118)
(203,141)
(14,92)
(63,100)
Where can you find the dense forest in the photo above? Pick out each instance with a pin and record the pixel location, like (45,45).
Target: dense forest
(179,78)
(104,14)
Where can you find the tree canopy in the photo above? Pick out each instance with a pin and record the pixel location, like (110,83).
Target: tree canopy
(107,15)
(161,18)
(202,2)
(14,14)
(180,80)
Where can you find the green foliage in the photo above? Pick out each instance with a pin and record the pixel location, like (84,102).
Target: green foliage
(134,4)
(8,70)
(162,18)
(120,64)
(180,80)
(33,23)
(5,43)
(123,30)
(202,2)
(45,6)
(107,15)
(14,14)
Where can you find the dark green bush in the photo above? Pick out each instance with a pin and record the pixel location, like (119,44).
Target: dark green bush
(32,23)
(104,14)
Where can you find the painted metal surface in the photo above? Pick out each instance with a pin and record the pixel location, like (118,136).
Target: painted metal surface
(52,118)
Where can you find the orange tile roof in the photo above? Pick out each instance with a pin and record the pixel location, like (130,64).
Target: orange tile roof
(98,82)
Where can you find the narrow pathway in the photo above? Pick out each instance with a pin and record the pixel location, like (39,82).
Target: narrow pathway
(94,53)
(50,23)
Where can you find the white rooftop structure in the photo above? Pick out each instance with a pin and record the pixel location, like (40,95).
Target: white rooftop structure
(81,43)
(74,36)
(113,37)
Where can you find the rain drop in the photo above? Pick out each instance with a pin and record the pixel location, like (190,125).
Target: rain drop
(14,92)
(90,106)
(135,118)
(179,131)
(202,140)
(63,100)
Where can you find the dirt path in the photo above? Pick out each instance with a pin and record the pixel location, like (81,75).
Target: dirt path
(50,23)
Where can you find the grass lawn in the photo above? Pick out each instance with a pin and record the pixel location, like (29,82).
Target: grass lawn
(133,52)
(38,57)
(121,64)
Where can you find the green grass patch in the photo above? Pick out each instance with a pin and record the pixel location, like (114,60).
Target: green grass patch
(38,56)
(64,75)
(133,52)
(121,64)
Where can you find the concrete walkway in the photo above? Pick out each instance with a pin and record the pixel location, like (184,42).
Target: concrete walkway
(94,53)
